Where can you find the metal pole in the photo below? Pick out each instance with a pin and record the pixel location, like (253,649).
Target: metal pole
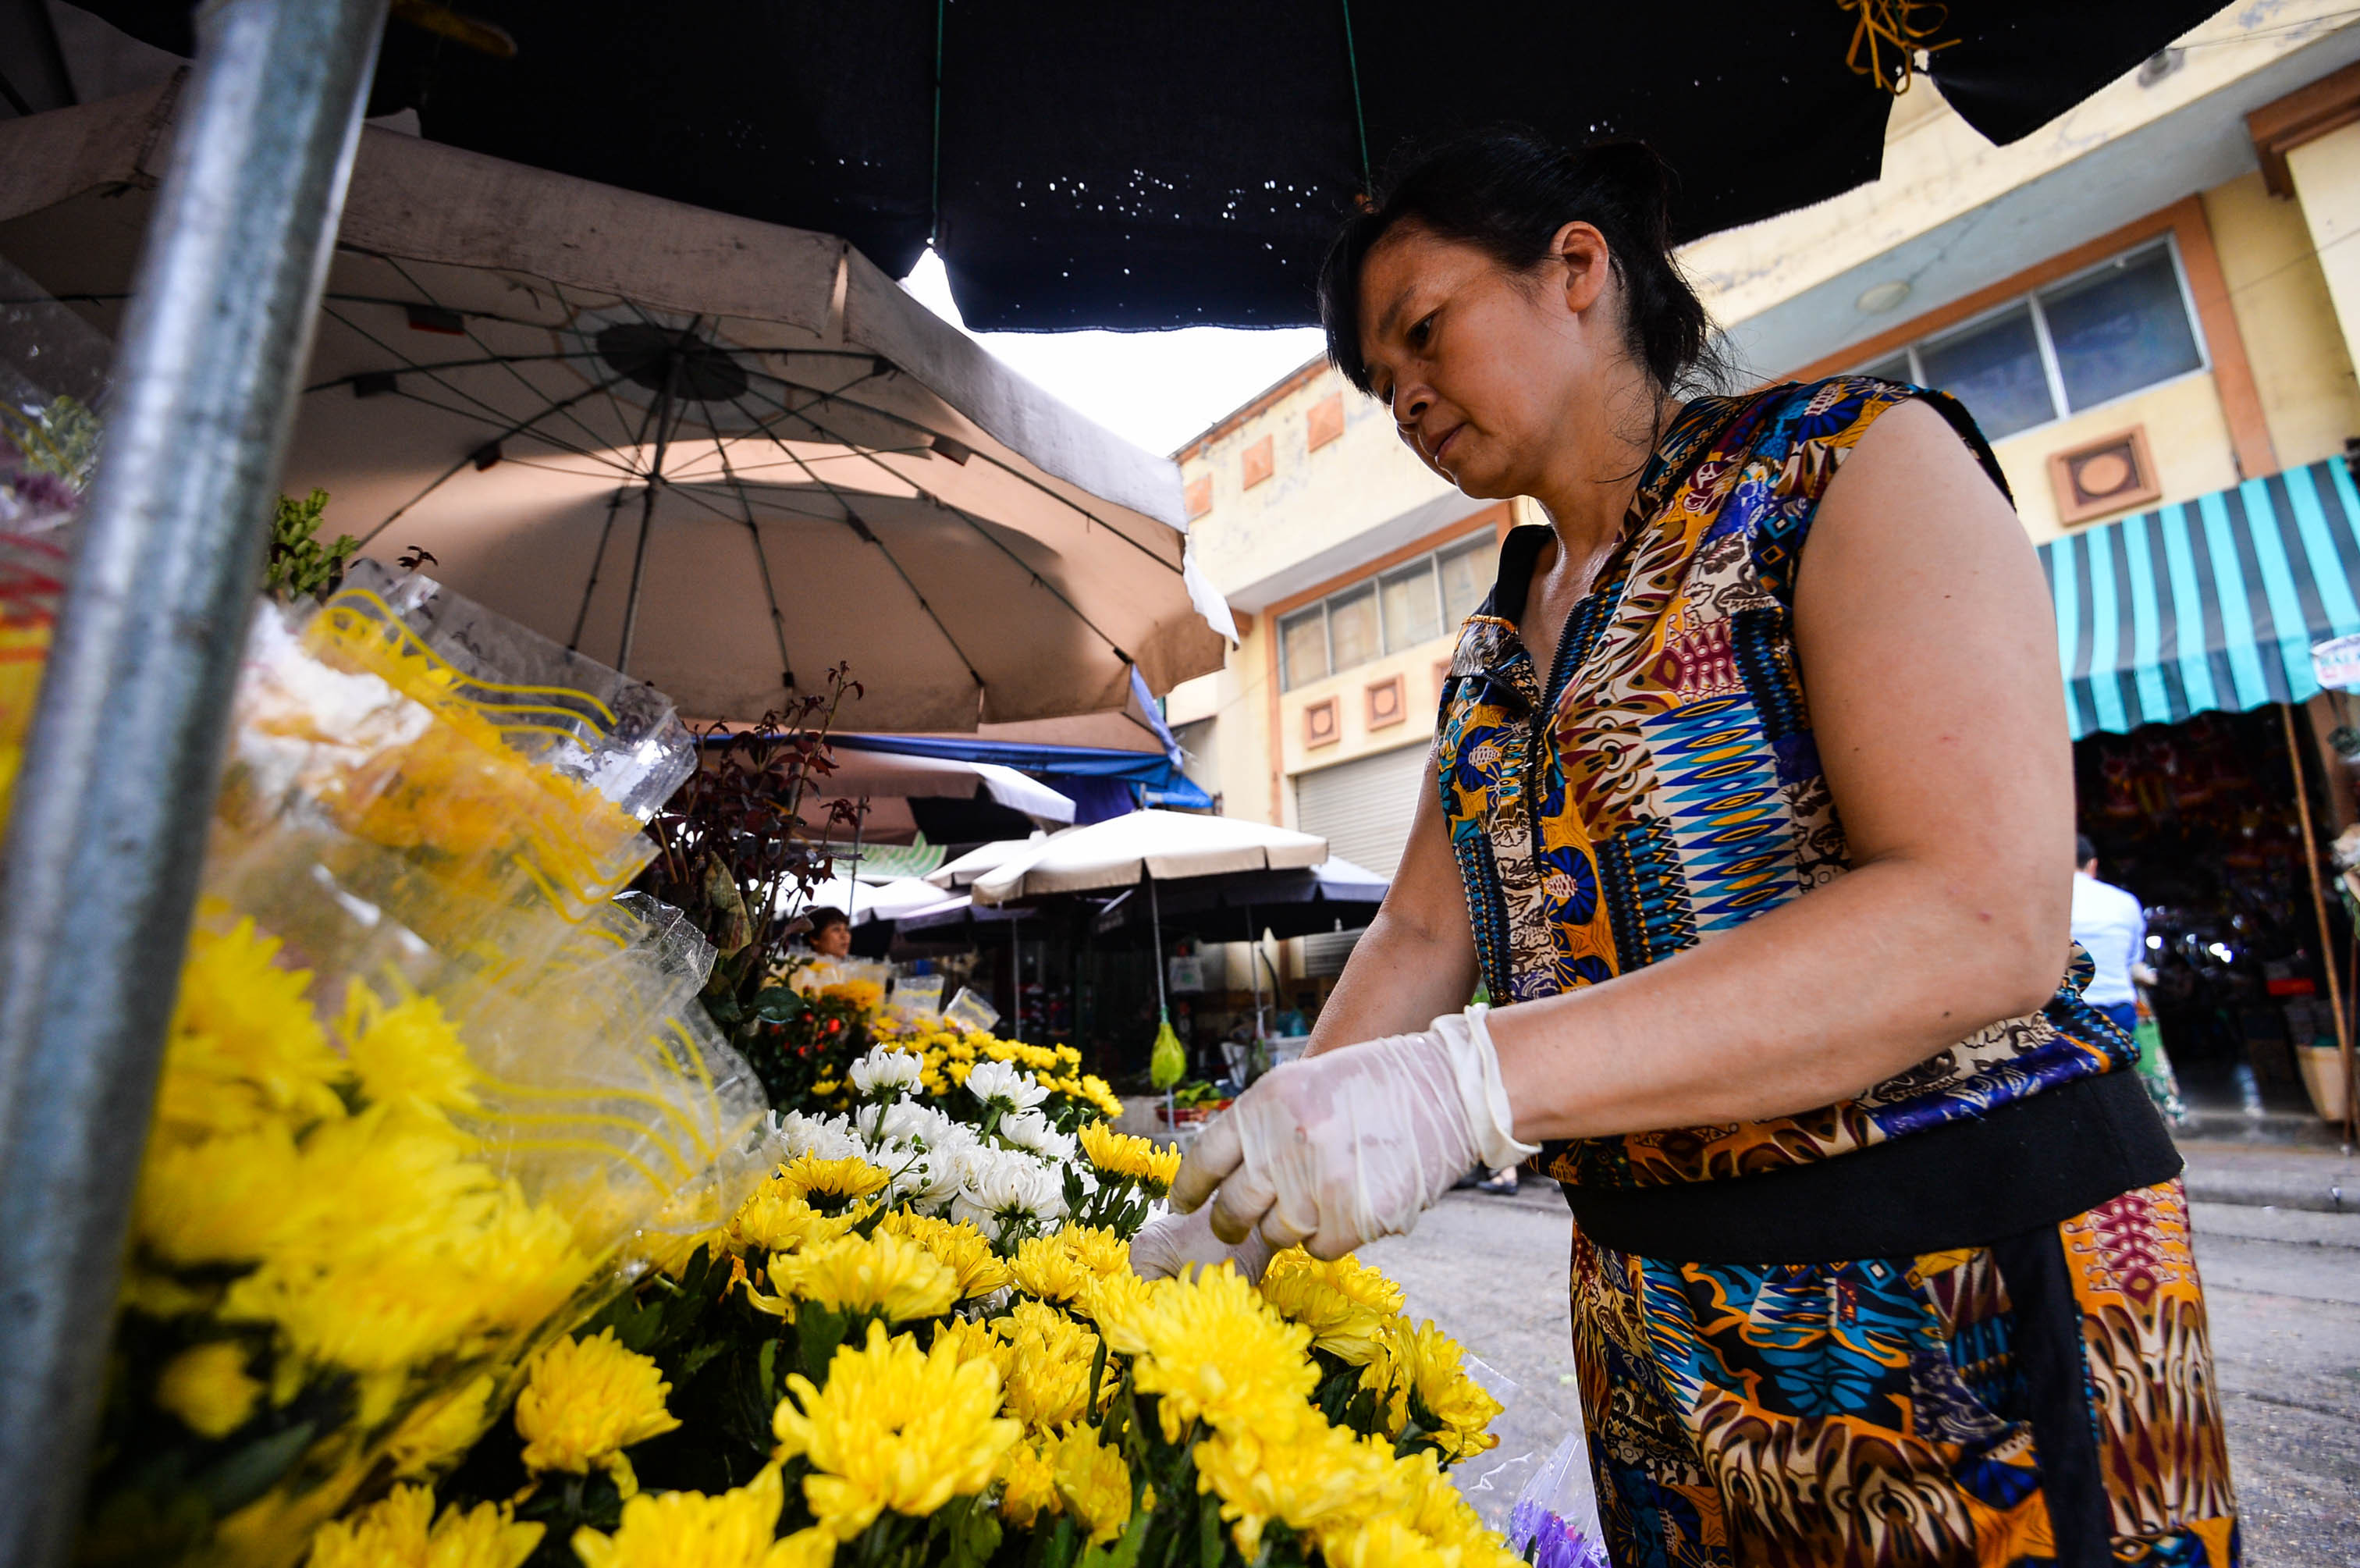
(99,869)
(2319,910)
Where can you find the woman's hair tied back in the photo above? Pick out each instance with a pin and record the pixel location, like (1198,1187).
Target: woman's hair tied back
(1507,192)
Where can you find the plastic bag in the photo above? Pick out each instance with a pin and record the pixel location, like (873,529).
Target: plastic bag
(1554,1521)
(431,1090)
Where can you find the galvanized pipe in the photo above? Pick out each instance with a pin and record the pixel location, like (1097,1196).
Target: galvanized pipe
(99,868)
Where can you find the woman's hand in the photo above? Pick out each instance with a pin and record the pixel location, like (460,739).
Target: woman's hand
(1343,1149)
(1173,1244)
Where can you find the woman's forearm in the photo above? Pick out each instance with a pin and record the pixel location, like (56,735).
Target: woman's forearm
(1807,1005)
(1402,975)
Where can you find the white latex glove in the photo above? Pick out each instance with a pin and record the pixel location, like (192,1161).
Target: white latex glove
(1341,1148)
(1170,1244)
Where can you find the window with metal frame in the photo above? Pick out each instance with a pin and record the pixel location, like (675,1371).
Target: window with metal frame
(2103,332)
(1418,602)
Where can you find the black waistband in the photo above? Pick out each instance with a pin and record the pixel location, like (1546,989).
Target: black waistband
(2029,1163)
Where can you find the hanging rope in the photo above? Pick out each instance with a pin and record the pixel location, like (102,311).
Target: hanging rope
(934,189)
(1892,24)
(1359,119)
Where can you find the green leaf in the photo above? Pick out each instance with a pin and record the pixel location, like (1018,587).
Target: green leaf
(1124,1552)
(698,1355)
(766,1368)
(250,1472)
(779,1003)
(1212,1542)
(818,1331)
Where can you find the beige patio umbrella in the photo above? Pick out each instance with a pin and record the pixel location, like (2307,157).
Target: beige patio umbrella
(719,455)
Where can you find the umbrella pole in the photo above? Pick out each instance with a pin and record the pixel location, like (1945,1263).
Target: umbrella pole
(852,890)
(1015,983)
(1162,1004)
(647,518)
(1253,966)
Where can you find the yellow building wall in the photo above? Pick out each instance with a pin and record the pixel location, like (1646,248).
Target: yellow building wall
(2278,293)
(2186,431)
(1421,692)
(2327,184)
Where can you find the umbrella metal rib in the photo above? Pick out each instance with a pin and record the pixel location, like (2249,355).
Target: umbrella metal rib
(508,365)
(853,517)
(1038,581)
(762,561)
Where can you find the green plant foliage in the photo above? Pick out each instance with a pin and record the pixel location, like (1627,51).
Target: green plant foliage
(299,567)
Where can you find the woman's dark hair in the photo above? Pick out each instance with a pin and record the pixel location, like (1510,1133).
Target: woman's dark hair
(824,916)
(1507,192)
(2084,851)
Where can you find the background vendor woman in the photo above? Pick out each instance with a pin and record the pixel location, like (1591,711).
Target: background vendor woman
(1752,805)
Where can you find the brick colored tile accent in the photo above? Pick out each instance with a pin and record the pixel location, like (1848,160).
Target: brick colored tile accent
(1197,496)
(1325,422)
(1322,723)
(1256,462)
(1388,702)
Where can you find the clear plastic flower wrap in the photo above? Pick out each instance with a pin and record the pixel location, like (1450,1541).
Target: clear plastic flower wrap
(431,1092)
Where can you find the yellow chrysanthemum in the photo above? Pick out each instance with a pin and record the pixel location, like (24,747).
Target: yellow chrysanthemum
(1424,1362)
(408,1055)
(864,995)
(1048,1368)
(1345,1304)
(971,1339)
(1314,1476)
(1129,1158)
(1211,1349)
(441,1430)
(1097,1249)
(830,1186)
(960,1245)
(395,1533)
(208,1389)
(689,1529)
(777,1219)
(221,1201)
(1028,1485)
(586,1401)
(1094,1482)
(882,1273)
(894,1428)
(1043,1266)
(245,1047)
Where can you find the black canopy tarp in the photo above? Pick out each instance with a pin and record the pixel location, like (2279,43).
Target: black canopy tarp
(1083,164)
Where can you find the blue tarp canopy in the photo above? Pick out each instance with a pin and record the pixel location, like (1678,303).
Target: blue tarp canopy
(1156,775)
(2206,605)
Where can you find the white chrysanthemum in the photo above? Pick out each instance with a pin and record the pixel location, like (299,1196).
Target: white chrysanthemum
(1004,1085)
(1000,1187)
(829,1137)
(1030,1129)
(905,1124)
(927,1183)
(886,1071)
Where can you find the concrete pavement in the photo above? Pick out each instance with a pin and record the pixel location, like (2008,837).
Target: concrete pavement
(2283,1286)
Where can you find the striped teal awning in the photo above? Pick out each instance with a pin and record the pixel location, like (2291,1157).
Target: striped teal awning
(2206,605)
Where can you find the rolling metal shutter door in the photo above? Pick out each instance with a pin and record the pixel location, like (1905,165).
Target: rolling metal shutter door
(1363,809)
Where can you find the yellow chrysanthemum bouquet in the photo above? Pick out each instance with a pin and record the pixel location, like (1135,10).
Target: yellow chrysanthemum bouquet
(921,1341)
(429,1094)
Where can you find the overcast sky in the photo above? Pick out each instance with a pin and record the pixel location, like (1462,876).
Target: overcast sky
(1156,389)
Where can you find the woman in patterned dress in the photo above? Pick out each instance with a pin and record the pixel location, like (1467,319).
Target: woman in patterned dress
(1880,1256)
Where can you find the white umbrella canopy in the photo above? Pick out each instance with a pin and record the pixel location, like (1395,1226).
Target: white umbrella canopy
(719,455)
(981,861)
(881,777)
(878,901)
(1160,845)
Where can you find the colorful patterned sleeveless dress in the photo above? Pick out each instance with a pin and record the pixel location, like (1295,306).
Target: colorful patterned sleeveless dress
(1660,785)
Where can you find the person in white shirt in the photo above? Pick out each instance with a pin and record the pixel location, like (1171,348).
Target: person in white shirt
(2112,928)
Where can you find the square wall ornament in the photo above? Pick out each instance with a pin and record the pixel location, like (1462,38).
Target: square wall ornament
(1325,422)
(1388,703)
(1197,496)
(1322,722)
(2100,477)
(1256,462)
